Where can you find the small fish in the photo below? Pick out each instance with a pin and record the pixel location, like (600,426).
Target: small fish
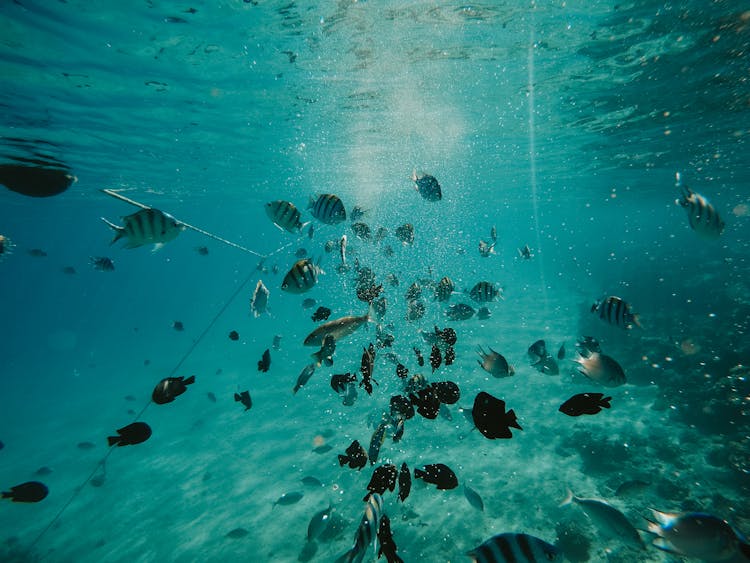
(308,303)
(698,535)
(234,335)
(493,233)
(356,456)
(340,380)
(383,478)
(169,388)
(388,252)
(69,270)
(342,253)
(415,310)
(265,362)
(211,396)
(178,326)
(311,231)
(444,289)
(702,216)
(427,402)
(436,358)
(132,434)
(259,300)
(515,548)
(301,277)
(525,253)
(485,292)
(284,215)
(349,395)
(387,546)
(381,234)
(277,342)
(447,335)
(304,377)
(486,249)
(460,312)
(587,344)
(601,369)
(202,250)
(362,230)
(401,407)
(147,226)
(31,491)
(494,363)
(366,368)
(338,328)
(310,481)
(427,186)
(6,245)
(483,313)
(561,352)
(450,356)
(405,233)
(447,392)
(404,482)
(375,442)
(288,499)
(325,354)
(629,488)
(392,280)
(244,398)
(414,292)
(401,371)
(328,209)
(585,403)
(490,417)
(608,519)
(617,312)
(237,533)
(357,213)
(102,263)
(322,449)
(473,497)
(43,471)
(85,446)
(420,358)
(368,293)
(300,253)
(318,523)
(437,474)
(366,531)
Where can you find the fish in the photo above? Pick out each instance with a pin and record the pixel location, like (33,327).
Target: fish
(325,354)
(493,233)
(494,363)
(381,234)
(327,208)
(547,365)
(445,412)
(237,533)
(413,292)
(490,417)
(450,356)
(436,358)
(146,226)
(404,482)
(387,545)
(702,216)
(349,395)
(375,442)
(368,293)
(585,403)
(301,277)
(339,381)
(460,312)
(447,335)
(178,326)
(485,292)
(437,474)
(102,263)
(483,313)
(357,213)
(308,303)
(6,245)
(525,253)
(259,300)
(42,471)
(362,230)
(134,433)
(447,392)
(366,531)
(473,498)
(277,342)
(169,388)
(311,231)
(30,491)
(338,328)
(288,499)
(515,548)
(234,335)
(415,310)
(85,446)
(318,523)
(401,407)
(405,233)
(427,186)
(355,456)
(444,289)
(322,449)
(587,344)
(628,488)
(244,398)
(697,535)
(383,478)
(310,481)
(366,367)
(392,279)
(427,402)
(617,312)
(265,361)
(37,253)
(561,352)
(601,369)
(398,432)
(607,519)
(211,396)
(342,253)
(304,377)
(486,249)
(285,216)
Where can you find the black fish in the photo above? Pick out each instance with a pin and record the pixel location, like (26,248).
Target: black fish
(234,335)
(450,356)
(37,181)
(131,434)
(244,398)
(31,491)
(447,392)
(339,381)
(401,407)
(561,352)
(356,456)
(277,342)
(447,335)
(169,388)
(178,326)
(490,417)
(384,477)
(405,233)
(375,442)
(585,403)
(265,361)
(362,230)
(399,428)
(368,293)
(436,358)
(321,314)
(385,539)
(427,403)
(102,263)
(404,482)
(420,358)
(366,366)
(438,474)
(427,186)
(325,354)
(547,365)
(211,396)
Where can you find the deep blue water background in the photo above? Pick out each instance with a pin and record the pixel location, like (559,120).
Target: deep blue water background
(562,124)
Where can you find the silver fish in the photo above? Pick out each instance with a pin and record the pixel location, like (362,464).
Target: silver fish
(338,328)
(284,215)
(494,363)
(702,216)
(342,250)
(147,226)
(259,300)
(473,497)
(602,369)
(301,277)
(304,377)
(328,209)
(609,520)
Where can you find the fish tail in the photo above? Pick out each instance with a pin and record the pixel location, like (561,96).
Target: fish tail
(237,398)
(418,473)
(342,460)
(119,231)
(112,440)
(514,421)
(7,494)
(605,402)
(189,381)
(414,175)
(568,498)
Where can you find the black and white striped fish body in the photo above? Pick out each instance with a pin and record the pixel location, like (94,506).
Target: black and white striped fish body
(259,300)
(515,548)
(301,277)
(615,311)
(147,226)
(328,209)
(702,216)
(485,292)
(366,532)
(284,215)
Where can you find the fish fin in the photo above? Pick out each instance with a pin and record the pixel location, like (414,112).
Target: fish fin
(605,402)
(414,175)
(514,422)
(511,370)
(189,381)
(311,202)
(112,440)
(637,321)
(157,247)
(119,231)
(568,498)
(663,518)
(664,545)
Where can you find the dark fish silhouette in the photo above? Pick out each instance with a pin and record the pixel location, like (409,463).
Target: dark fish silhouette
(460,312)
(340,380)
(402,371)
(325,354)
(405,233)
(387,546)
(131,434)
(321,314)
(436,358)
(304,377)
(427,186)
(384,477)
(234,335)
(447,392)
(37,181)
(404,482)
(537,351)
(427,402)
(211,396)
(102,263)
(585,403)
(31,491)
(561,352)
(438,474)
(244,398)
(401,407)
(420,358)
(169,388)
(356,456)
(375,442)
(490,417)
(450,356)
(615,311)
(366,366)
(265,362)
(178,326)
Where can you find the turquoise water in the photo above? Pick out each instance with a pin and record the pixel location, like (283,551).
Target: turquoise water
(562,124)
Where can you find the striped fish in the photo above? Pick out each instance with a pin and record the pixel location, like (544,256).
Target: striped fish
(484,292)
(301,277)
(284,215)
(702,216)
(328,209)
(615,311)
(147,226)
(259,300)
(444,289)
(515,548)
(366,532)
